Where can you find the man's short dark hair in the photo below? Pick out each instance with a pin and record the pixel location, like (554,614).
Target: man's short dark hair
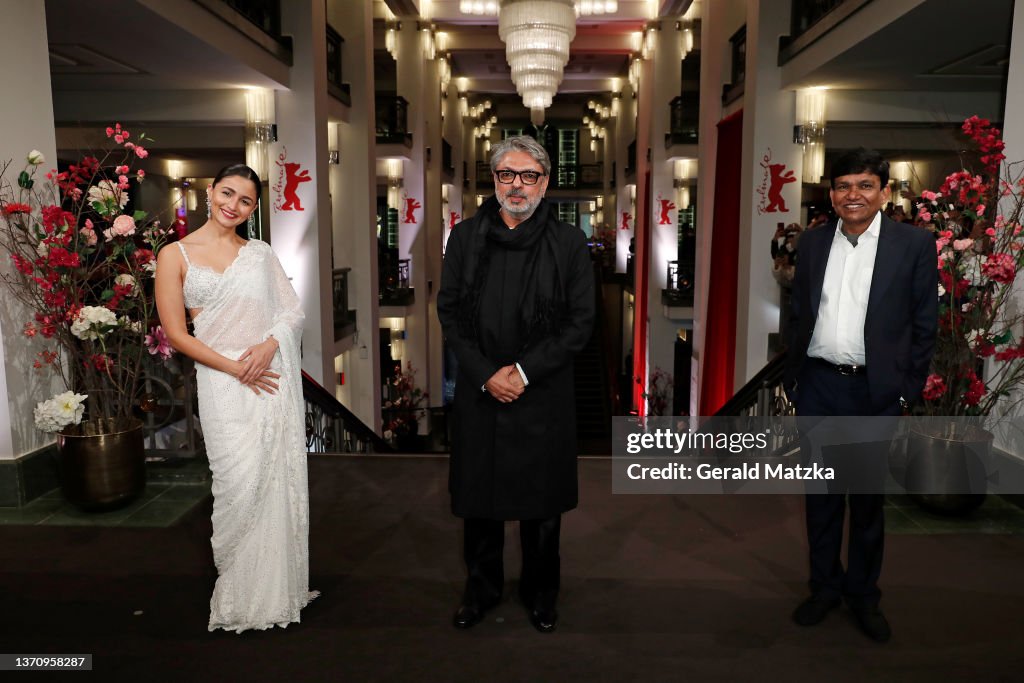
(860,160)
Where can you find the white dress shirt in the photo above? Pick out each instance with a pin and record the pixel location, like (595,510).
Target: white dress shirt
(839,330)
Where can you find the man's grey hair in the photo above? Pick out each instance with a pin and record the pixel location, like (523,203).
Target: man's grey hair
(520,143)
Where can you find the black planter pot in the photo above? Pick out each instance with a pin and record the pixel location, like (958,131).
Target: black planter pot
(102,471)
(946,471)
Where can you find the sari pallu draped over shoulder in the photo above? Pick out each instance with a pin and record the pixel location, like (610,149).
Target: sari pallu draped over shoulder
(256,447)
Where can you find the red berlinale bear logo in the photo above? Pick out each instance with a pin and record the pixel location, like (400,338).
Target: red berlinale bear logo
(411,205)
(289,177)
(776,176)
(453,218)
(626,218)
(666,206)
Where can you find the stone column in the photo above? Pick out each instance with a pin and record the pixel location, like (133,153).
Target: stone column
(770,158)
(302,237)
(417,83)
(354,192)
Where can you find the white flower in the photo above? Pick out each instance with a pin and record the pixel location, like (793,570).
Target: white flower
(129,324)
(107,189)
(150,268)
(125,280)
(35,157)
(60,411)
(43,249)
(93,322)
(942,291)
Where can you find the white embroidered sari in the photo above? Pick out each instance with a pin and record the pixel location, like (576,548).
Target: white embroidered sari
(256,444)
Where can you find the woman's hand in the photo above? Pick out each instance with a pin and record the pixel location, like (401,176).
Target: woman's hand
(263,382)
(256,360)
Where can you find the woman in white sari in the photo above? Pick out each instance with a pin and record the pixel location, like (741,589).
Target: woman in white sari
(248,326)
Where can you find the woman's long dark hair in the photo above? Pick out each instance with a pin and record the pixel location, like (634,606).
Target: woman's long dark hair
(241,171)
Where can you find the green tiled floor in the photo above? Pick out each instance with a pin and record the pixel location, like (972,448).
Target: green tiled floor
(995,516)
(160,505)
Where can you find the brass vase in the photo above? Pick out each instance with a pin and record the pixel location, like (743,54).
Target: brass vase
(102,471)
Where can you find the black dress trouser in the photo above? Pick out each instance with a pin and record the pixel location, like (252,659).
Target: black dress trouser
(825,392)
(483,544)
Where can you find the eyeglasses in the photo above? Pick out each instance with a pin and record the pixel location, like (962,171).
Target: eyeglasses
(507,176)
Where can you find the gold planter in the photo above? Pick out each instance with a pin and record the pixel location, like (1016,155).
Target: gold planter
(102,471)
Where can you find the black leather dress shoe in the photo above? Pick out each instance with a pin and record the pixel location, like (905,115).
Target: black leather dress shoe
(873,623)
(544,619)
(813,610)
(469,615)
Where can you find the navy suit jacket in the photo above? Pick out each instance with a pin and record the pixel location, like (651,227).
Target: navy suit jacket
(902,313)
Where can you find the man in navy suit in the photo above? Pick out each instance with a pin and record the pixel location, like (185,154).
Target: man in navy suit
(861,337)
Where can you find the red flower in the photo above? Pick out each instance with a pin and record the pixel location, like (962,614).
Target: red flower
(55,217)
(15,207)
(975,390)
(143,256)
(934,388)
(22,264)
(1000,268)
(59,257)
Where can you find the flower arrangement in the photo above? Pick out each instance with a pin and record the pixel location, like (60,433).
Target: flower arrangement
(402,408)
(84,268)
(659,392)
(977,222)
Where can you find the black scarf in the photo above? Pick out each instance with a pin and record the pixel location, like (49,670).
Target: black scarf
(542,305)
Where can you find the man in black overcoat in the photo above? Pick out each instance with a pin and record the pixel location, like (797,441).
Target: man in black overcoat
(516,303)
(861,337)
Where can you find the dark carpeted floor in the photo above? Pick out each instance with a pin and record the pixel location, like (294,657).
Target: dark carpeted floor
(655,588)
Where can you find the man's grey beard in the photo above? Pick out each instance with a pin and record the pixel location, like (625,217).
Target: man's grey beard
(522,212)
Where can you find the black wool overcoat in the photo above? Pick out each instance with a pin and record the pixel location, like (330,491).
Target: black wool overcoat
(514,460)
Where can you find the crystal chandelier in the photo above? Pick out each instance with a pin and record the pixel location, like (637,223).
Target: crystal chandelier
(583,7)
(537,34)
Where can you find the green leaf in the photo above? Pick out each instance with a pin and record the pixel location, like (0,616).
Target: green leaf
(1005,338)
(139,216)
(107,295)
(97,206)
(25,181)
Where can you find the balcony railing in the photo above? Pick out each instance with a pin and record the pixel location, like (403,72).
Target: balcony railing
(810,20)
(339,90)
(265,14)
(392,120)
(806,13)
(344,318)
(395,286)
(684,113)
(679,289)
(734,89)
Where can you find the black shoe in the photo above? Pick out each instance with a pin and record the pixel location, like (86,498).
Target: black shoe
(544,619)
(813,610)
(469,615)
(873,623)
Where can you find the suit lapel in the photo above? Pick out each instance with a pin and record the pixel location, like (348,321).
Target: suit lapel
(819,261)
(886,261)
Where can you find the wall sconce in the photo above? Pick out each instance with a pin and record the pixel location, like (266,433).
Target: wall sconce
(391,40)
(631,188)
(648,46)
(462,85)
(600,202)
(599,216)
(809,131)
(429,48)
(685,37)
(593,145)
(173,169)
(479,200)
(616,87)
(684,197)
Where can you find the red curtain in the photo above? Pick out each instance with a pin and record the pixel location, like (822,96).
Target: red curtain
(720,338)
